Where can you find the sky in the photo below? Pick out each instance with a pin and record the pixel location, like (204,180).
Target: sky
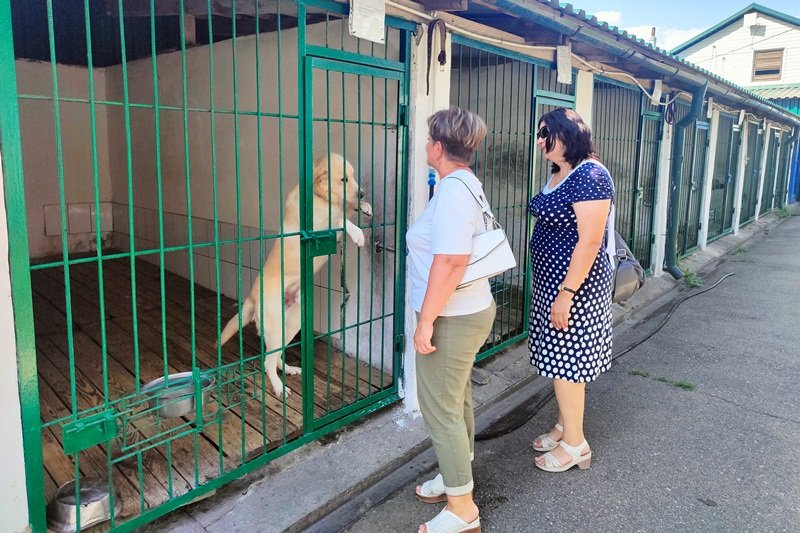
(676,21)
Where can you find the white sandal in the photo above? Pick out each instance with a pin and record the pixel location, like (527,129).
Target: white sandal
(432,491)
(447,522)
(584,461)
(547,443)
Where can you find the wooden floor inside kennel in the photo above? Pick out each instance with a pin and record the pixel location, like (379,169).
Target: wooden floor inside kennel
(178,464)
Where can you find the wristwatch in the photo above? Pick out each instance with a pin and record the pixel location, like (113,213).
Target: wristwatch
(562,287)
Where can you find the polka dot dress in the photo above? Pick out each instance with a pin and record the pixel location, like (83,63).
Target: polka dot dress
(582,352)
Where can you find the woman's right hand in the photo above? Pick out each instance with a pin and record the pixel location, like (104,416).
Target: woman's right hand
(422,337)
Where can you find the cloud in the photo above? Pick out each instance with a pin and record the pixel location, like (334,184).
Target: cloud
(667,38)
(612,17)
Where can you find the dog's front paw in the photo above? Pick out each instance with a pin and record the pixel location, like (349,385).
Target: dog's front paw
(358,237)
(366,209)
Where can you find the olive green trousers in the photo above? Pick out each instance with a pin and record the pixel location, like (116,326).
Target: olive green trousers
(444,391)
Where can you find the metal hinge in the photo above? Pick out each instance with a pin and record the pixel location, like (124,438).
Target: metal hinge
(402,115)
(400,343)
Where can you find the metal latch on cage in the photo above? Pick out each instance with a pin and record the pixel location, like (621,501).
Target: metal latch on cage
(90,431)
(322,242)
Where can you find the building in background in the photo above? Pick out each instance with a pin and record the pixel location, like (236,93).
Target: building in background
(759,49)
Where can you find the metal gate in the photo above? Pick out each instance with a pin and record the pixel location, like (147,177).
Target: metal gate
(550,95)
(768,192)
(751,173)
(627,133)
(720,218)
(504,89)
(357,106)
(692,179)
(166,183)
(783,170)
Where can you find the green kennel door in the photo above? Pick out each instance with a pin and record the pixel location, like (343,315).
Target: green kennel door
(355,106)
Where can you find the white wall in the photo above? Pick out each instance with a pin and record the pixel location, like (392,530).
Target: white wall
(370,286)
(422,105)
(729,52)
(13,496)
(40,159)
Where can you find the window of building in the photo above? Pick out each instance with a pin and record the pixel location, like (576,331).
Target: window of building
(767,64)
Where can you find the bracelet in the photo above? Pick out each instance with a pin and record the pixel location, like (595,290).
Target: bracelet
(563,287)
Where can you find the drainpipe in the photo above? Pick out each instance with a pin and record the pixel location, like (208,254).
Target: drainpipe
(679,133)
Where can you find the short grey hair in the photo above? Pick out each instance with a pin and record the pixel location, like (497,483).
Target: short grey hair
(461,132)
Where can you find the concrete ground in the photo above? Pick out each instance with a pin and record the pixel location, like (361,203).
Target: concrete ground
(719,456)
(696,429)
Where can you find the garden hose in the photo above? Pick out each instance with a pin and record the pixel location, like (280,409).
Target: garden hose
(519,417)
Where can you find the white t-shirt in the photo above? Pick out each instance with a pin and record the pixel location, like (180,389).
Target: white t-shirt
(446,226)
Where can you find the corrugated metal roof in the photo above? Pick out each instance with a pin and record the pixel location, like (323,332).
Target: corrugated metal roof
(791,90)
(592,20)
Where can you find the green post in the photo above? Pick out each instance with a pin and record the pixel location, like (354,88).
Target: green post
(21,297)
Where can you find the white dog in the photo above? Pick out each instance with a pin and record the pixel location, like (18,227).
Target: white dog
(335,196)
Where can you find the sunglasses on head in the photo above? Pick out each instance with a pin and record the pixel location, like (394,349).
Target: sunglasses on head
(543,133)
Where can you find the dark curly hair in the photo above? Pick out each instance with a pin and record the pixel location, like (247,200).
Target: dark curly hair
(568,127)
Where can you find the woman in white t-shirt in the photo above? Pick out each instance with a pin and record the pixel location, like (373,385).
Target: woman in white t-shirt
(452,324)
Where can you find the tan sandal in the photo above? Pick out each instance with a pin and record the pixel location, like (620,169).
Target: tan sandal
(432,491)
(583,460)
(547,443)
(448,522)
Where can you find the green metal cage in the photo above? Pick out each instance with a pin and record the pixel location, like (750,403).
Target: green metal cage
(171,152)
(627,133)
(509,91)
(723,182)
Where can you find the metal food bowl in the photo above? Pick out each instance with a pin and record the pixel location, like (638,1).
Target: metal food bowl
(95,505)
(175,396)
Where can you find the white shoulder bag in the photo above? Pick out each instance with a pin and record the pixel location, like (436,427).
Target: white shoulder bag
(491,252)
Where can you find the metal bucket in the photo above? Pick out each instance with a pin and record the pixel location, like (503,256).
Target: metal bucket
(175,396)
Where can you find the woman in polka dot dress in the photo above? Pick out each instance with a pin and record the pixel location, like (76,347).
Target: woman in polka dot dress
(570,327)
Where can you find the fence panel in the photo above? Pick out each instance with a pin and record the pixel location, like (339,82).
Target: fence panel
(723,182)
(164,216)
(499,87)
(751,173)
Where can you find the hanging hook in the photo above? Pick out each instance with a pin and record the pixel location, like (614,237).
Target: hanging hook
(442,57)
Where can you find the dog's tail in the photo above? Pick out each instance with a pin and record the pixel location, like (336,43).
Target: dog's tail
(247,312)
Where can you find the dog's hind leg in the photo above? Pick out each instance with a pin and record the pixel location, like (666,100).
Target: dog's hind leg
(247,312)
(275,344)
(293,317)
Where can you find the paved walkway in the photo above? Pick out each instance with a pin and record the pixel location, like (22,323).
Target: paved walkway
(697,429)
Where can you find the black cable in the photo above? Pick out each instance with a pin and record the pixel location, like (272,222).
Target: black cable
(669,314)
(541,398)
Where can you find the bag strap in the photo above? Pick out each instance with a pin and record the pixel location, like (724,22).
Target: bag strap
(611,241)
(487,213)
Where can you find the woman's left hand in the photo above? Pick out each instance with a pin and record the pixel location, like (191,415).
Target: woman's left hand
(559,311)
(422,338)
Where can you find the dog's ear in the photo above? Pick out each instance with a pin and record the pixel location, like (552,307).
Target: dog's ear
(320,169)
